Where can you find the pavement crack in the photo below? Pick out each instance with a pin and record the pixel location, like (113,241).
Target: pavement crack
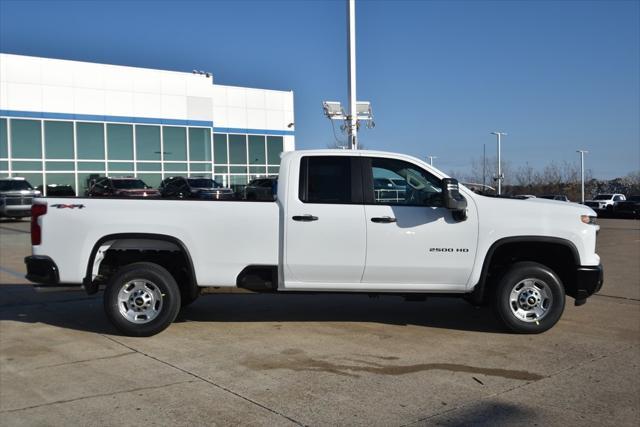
(194,375)
(8,411)
(83,361)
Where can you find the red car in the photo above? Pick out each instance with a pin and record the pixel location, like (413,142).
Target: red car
(121,187)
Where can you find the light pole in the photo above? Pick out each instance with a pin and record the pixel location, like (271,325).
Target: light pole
(582,153)
(500,177)
(352,118)
(431,159)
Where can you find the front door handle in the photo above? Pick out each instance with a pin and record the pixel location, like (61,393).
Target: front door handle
(383,219)
(305,218)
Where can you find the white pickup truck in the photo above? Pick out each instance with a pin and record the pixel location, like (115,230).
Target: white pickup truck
(330,229)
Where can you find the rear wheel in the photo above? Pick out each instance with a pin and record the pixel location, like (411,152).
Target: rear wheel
(142,299)
(529,298)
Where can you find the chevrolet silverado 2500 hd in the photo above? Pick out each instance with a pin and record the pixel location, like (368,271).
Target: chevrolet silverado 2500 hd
(330,229)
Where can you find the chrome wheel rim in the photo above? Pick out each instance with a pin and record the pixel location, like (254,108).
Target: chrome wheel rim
(530,300)
(140,301)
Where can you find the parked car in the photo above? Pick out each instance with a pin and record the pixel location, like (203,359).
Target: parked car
(560,197)
(629,208)
(261,189)
(16,196)
(58,190)
(180,187)
(605,202)
(325,233)
(121,187)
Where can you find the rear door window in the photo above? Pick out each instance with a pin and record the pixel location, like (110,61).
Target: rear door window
(330,179)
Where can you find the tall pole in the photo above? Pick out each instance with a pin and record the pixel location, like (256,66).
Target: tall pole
(431,159)
(484,166)
(351,48)
(500,177)
(582,153)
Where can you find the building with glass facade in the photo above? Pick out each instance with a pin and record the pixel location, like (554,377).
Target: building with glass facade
(65,122)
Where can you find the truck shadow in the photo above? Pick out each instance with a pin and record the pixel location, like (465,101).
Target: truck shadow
(78,312)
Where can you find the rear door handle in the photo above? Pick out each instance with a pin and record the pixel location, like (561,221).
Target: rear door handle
(383,219)
(305,218)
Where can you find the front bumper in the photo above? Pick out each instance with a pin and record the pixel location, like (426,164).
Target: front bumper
(589,281)
(15,211)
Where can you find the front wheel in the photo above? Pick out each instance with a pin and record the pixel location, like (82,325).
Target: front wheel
(142,299)
(529,298)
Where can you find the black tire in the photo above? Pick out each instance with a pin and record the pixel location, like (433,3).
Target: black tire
(529,281)
(162,290)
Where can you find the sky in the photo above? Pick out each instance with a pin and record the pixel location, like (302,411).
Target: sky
(557,76)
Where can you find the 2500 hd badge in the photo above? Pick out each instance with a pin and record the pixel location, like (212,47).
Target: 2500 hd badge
(464,250)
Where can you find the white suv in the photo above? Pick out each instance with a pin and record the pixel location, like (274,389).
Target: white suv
(605,201)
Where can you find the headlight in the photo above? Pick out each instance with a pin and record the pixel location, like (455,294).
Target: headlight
(587,219)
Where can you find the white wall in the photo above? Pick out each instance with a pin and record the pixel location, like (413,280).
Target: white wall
(70,87)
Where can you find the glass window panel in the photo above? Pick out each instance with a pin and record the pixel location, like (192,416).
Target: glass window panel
(238,182)
(257,155)
(257,169)
(175,167)
(59,166)
(121,166)
(35,179)
(238,169)
(85,180)
(200,167)
(151,179)
(238,149)
(4,165)
(199,144)
(26,166)
(147,142)
(91,166)
(222,180)
(56,180)
(274,149)
(273,170)
(58,140)
(90,140)
(120,142)
(149,166)
(26,140)
(4,139)
(221,169)
(220,148)
(175,143)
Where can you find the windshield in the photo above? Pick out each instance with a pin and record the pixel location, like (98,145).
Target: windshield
(203,183)
(129,184)
(603,197)
(15,185)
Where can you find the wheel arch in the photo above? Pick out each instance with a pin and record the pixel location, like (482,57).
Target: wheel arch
(526,244)
(92,287)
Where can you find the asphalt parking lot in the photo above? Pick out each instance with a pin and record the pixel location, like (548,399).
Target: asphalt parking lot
(320,360)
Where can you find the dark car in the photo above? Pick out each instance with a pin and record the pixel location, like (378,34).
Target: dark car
(629,208)
(121,187)
(180,187)
(16,196)
(261,189)
(58,190)
(560,197)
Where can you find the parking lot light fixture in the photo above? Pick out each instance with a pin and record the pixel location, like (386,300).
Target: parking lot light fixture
(582,153)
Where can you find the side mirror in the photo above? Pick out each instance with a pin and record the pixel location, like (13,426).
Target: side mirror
(451,197)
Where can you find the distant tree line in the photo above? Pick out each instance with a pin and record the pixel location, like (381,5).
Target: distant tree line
(556,178)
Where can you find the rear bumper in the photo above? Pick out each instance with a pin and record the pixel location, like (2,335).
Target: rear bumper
(43,271)
(589,281)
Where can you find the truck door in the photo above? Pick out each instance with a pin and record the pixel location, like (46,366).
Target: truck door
(325,232)
(413,242)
